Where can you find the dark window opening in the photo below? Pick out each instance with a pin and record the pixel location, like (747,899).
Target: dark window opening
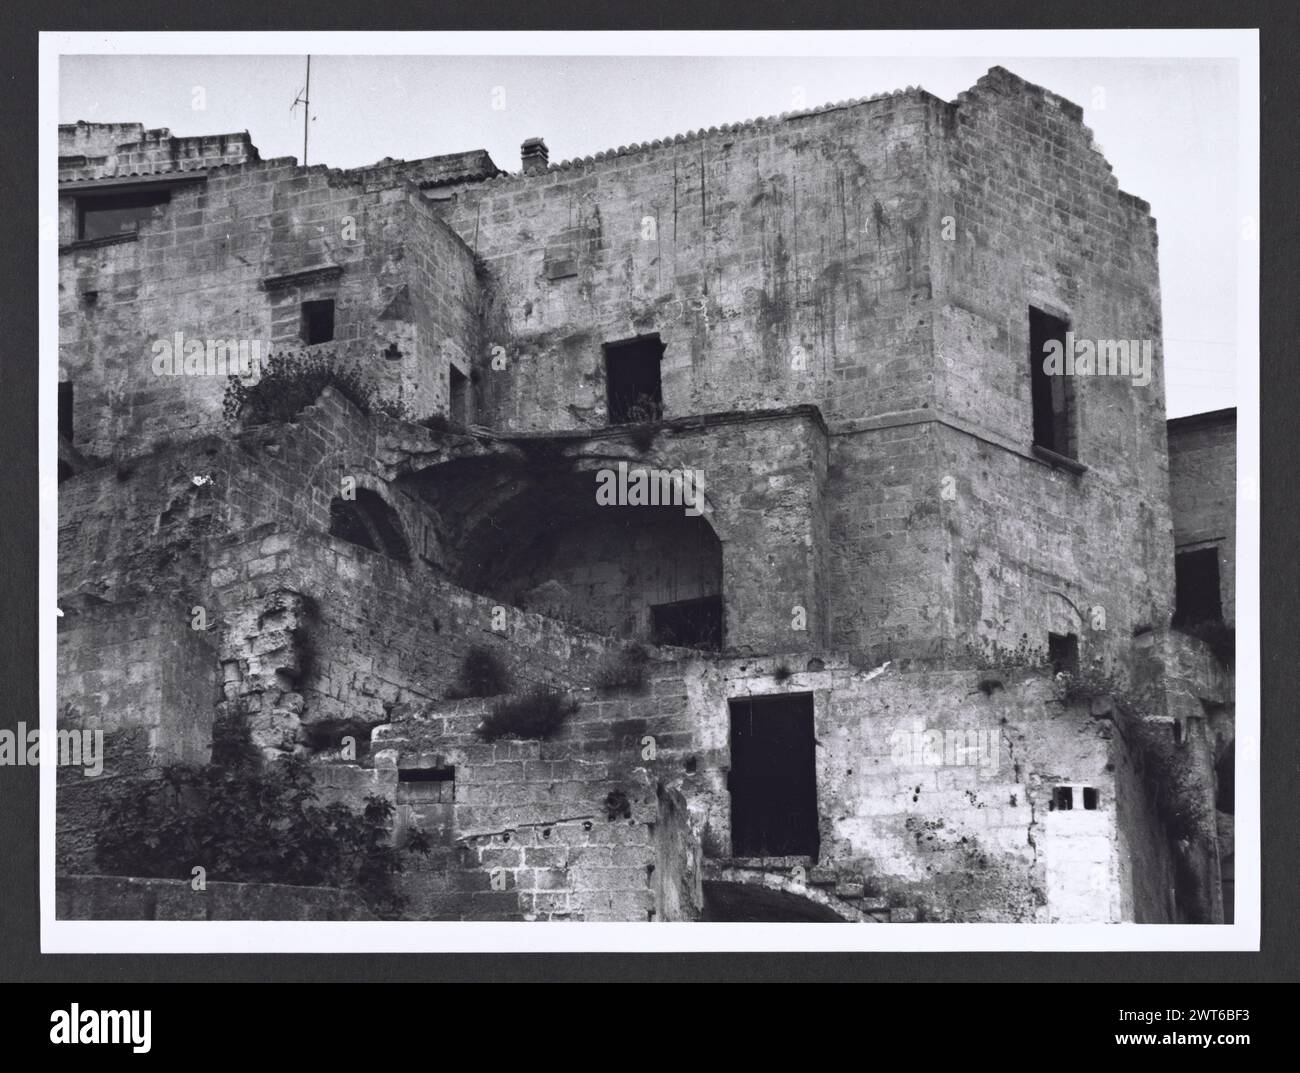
(426,784)
(111,215)
(424,799)
(632,377)
(317,321)
(1063,652)
(688,623)
(1050,394)
(1063,798)
(1196,583)
(65,409)
(458,397)
(773,778)
(1090,798)
(426,774)
(370,523)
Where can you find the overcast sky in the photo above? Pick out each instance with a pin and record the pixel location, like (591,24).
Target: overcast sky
(1168,127)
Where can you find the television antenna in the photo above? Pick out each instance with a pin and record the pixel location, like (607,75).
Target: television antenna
(304,98)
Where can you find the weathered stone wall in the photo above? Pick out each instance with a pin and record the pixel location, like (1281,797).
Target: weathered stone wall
(1147,877)
(1038,219)
(878,259)
(1203,491)
(1033,549)
(907,822)
(138,673)
(233,258)
(890,584)
(527,833)
(936,796)
(445,306)
(90,151)
(229,522)
(367,638)
(781,261)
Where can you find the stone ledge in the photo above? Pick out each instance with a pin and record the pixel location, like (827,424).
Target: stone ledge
(302,277)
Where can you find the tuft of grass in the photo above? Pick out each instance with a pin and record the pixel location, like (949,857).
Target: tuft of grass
(624,669)
(532,716)
(482,674)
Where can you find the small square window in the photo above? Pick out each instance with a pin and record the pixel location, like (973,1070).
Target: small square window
(317,322)
(1063,798)
(429,784)
(1090,798)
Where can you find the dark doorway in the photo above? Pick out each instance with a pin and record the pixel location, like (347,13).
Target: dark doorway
(458,405)
(1050,393)
(634,392)
(773,778)
(1196,582)
(689,623)
(1063,652)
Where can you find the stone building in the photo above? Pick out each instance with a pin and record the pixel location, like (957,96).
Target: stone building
(890,577)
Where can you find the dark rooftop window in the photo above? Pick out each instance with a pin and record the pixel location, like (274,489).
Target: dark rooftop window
(110,215)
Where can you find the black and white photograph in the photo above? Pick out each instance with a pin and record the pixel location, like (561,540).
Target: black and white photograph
(493,482)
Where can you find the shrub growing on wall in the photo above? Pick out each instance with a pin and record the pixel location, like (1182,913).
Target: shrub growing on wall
(534,715)
(293,380)
(482,674)
(243,822)
(625,669)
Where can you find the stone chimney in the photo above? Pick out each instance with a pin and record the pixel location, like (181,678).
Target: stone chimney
(535,155)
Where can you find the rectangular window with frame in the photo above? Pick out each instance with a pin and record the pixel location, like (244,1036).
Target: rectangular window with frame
(634,391)
(114,215)
(317,324)
(1051,393)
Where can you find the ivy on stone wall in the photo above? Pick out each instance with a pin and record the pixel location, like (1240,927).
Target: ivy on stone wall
(291,381)
(243,821)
